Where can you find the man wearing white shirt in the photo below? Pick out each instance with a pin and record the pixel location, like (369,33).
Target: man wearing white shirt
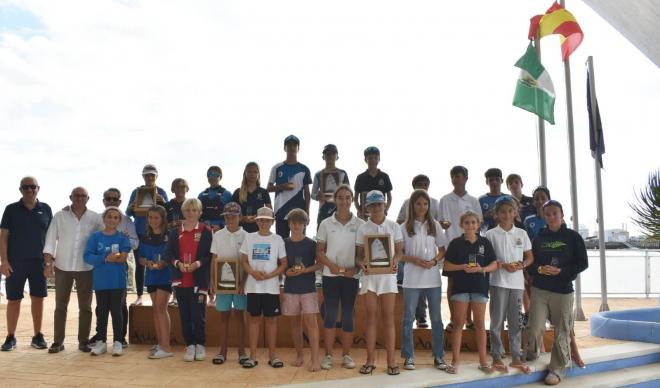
(63,254)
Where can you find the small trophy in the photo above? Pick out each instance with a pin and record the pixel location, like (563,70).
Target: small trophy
(227,277)
(114,248)
(472,260)
(155,262)
(377,254)
(187,261)
(554,262)
(298,265)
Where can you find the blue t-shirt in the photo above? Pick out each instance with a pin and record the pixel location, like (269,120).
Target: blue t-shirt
(107,276)
(214,200)
(533,225)
(487,203)
(141,221)
(150,246)
(287,200)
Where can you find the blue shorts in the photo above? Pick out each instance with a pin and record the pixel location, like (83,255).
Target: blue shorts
(467,297)
(31,271)
(226,302)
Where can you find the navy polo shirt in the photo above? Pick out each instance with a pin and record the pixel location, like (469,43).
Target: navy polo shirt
(27,230)
(458,253)
(365,183)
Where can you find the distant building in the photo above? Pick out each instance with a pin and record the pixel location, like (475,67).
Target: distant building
(584,231)
(616,235)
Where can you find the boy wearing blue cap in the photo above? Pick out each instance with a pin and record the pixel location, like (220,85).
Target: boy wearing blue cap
(290,181)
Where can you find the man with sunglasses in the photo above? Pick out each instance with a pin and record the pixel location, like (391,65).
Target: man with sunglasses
(65,240)
(112,197)
(22,236)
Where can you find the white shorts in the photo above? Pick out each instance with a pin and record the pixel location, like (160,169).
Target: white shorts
(379,284)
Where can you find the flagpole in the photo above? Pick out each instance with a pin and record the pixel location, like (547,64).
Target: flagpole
(579,313)
(599,187)
(543,172)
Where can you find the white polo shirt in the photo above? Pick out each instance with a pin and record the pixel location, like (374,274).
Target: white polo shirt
(509,247)
(67,237)
(227,245)
(339,241)
(434,205)
(451,208)
(264,253)
(424,246)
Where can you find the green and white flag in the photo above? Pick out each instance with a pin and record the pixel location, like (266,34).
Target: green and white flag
(534,90)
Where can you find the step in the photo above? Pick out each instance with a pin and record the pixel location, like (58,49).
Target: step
(640,375)
(598,360)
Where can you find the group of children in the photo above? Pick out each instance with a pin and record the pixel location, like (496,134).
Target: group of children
(484,248)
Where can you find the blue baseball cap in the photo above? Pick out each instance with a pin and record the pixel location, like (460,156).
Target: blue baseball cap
(374,196)
(504,200)
(291,139)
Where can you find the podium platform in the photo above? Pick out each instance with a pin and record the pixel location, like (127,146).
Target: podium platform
(142,331)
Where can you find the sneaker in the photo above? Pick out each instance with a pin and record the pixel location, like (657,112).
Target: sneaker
(154,349)
(190,353)
(117,349)
(347,362)
(326,363)
(38,342)
(124,344)
(200,352)
(56,347)
(84,347)
(99,348)
(10,343)
(409,364)
(439,363)
(160,353)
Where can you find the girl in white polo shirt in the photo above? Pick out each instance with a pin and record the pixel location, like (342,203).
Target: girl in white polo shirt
(335,249)
(379,288)
(423,251)
(513,251)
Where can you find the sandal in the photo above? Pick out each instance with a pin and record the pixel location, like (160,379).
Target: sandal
(367,369)
(524,368)
(250,363)
(452,369)
(500,367)
(275,363)
(219,359)
(242,358)
(470,326)
(487,369)
(393,370)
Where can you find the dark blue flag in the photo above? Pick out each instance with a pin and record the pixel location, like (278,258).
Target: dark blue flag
(596,140)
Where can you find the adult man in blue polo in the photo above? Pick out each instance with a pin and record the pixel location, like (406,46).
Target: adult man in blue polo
(22,235)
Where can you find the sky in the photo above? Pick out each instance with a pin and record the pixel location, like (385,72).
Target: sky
(92,91)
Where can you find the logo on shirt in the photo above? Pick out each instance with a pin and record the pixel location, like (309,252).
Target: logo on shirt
(532,224)
(381,182)
(485,206)
(197,236)
(482,249)
(518,242)
(553,245)
(261,251)
(259,197)
(280,174)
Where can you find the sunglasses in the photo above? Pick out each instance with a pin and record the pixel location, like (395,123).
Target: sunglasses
(213,175)
(29,187)
(111,199)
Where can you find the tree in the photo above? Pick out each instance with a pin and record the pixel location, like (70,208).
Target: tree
(647,208)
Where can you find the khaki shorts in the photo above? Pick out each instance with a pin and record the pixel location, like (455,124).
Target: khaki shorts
(296,304)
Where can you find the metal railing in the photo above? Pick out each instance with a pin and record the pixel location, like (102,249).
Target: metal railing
(629,272)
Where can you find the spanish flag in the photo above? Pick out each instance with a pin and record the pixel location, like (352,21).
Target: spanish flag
(557,20)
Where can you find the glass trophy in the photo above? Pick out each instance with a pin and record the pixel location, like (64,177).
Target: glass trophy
(554,262)
(187,260)
(155,262)
(114,248)
(298,264)
(227,277)
(472,260)
(379,256)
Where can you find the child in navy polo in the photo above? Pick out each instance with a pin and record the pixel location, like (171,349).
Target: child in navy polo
(214,198)
(300,299)
(251,196)
(372,179)
(107,251)
(290,181)
(487,201)
(468,261)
